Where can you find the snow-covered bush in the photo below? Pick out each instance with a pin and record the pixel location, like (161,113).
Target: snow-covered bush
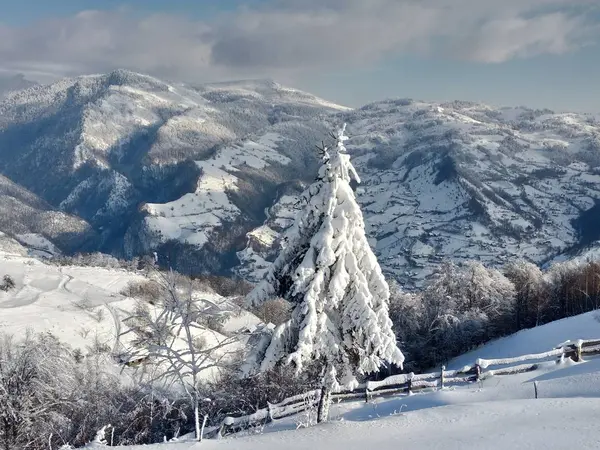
(97,259)
(460,308)
(574,288)
(463,306)
(7,284)
(227,287)
(532,294)
(148,290)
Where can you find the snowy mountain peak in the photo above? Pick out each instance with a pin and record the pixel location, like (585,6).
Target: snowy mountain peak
(190,170)
(121,77)
(122,140)
(461,180)
(12,83)
(266,90)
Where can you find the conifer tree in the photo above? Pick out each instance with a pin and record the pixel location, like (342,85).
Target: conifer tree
(329,273)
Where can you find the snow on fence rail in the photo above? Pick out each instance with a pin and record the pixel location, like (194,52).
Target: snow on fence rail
(409,383)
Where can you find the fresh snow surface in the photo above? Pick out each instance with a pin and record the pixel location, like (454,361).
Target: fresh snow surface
(501,413)
(70,302)
(535,340)
(194,216)
(79,305)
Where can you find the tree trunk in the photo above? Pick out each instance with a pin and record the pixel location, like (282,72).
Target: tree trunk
(203,425)
(197,420)
(324,402)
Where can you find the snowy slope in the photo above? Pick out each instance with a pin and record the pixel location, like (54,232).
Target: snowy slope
(63,300)
(467,181)
(38,225)
(499,414)
(82,305)
(535,340)
(145,161)
(555,424)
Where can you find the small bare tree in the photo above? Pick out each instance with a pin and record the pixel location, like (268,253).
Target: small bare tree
(175,335)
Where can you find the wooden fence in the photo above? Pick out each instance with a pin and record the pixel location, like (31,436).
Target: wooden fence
(409,383)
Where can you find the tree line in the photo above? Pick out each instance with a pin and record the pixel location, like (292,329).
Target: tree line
(464,306)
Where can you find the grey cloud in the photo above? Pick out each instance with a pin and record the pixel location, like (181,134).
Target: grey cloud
(94,41)
(284,38)
(329,32)
(501,40)
(13,82)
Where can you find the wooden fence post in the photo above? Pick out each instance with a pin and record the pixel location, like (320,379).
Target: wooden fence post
(570,349)
(221,431)
(477,372)
(561,358)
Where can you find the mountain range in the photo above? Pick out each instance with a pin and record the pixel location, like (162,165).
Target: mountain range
(209,176)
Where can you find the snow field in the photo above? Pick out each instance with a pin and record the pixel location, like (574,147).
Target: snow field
(498,414)
(82,305)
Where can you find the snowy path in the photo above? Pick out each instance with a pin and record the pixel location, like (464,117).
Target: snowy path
(63,283)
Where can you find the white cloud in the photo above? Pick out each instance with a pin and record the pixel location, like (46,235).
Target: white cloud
(287,37)
(501,40)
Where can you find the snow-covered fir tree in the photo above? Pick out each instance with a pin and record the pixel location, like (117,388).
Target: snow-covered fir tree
(329,273)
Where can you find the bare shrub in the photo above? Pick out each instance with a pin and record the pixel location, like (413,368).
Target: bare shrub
(8,284)
(227,287)
(84,304)
(97,259)
(232,395)
(150,291)
(98,315)
(275,311)
(173,335)
(98,347)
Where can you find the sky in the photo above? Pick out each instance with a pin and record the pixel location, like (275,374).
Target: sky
(537,53)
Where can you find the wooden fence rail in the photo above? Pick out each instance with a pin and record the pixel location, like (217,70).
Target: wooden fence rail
(409,383)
